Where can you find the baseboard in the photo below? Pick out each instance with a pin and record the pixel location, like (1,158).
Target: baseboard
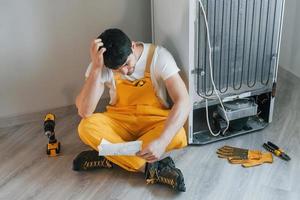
(283,72)
(39,116)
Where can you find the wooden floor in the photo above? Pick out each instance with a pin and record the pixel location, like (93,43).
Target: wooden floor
(27,173)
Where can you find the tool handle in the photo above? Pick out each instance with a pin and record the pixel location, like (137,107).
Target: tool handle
(273,145)
(272,149)
(268,148)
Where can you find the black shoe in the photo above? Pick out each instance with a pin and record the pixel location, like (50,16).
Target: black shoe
(167,161)
(88,160)
(165,172)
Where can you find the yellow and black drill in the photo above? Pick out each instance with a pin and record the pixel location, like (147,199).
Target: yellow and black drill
(53,146)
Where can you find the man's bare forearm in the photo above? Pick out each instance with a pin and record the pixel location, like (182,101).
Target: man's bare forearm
(175,120)
(90,94)
(180,110)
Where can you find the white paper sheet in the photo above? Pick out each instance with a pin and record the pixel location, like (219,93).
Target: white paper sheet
(127,148)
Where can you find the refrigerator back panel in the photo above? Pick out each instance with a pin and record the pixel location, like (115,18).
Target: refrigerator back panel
(244,37)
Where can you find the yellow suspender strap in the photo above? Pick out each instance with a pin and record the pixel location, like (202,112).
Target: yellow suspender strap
(149,57)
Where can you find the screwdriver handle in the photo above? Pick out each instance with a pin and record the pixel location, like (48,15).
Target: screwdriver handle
(273,145)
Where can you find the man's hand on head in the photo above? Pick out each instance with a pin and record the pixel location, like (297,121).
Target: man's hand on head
(96,53)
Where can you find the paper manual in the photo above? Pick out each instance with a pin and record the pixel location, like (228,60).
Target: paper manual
(126,149)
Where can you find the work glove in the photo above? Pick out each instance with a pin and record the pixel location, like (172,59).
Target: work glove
(245,157)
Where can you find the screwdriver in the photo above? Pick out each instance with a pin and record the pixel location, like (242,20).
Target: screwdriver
(276,150)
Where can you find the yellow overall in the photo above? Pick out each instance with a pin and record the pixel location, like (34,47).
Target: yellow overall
(137,115)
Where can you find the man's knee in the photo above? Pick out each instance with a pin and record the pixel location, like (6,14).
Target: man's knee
(182,137)
(85,126)
(82,128)
(95,123)
(179,140)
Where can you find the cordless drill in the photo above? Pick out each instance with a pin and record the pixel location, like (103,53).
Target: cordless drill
(53,146)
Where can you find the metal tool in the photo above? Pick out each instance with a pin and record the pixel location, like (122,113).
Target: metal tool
(276,150)
(53,146)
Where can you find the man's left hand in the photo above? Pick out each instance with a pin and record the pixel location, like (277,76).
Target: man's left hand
(153,151)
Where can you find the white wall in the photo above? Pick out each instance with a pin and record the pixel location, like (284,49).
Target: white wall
(44,47)
(290,46)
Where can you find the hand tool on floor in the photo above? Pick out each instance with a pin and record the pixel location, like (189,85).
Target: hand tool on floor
(245,157)
(53,146)
(276,150)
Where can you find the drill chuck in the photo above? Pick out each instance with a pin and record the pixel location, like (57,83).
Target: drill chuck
(49,125)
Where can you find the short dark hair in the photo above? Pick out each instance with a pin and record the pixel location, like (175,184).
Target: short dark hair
(118,47)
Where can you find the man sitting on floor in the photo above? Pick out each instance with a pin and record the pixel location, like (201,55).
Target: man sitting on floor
(138,76)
